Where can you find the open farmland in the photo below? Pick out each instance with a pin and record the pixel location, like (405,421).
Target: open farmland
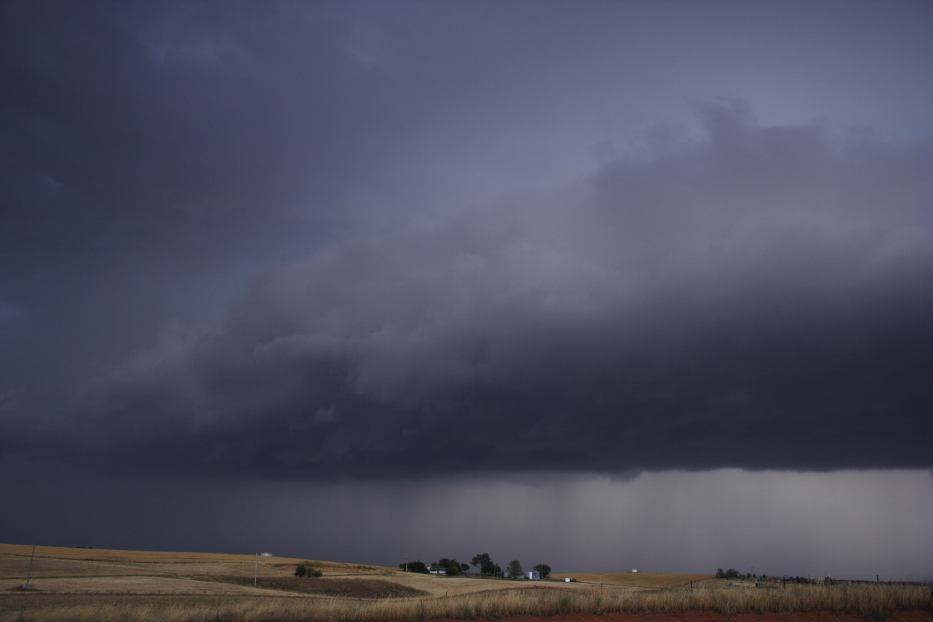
(93,584)
(645,580)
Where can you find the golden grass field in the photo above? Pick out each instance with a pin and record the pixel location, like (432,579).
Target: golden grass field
(96,584)
(646,580)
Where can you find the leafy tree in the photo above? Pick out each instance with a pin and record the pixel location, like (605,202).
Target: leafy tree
(515,568)
(486,565)
(414,566)
(479,559)
(452,565)
(544,569)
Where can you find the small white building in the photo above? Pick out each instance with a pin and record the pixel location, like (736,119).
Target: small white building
(534,575)
(567,579)
(634,570)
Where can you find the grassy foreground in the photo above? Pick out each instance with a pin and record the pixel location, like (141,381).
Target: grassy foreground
(870,601)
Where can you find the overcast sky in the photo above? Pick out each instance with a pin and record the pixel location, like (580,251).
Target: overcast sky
(646,256)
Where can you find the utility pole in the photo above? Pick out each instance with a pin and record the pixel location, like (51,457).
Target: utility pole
(256,570)
(29,572)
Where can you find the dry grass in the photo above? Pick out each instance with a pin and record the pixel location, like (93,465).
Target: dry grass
(632,579)
(92,584)
(135,585)
(78,570)
(864,600)
(54,561)
(459,586)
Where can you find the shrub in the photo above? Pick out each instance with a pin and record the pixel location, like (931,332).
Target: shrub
(305,569)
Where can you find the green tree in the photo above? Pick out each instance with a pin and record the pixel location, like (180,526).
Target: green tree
(414,566)
(544,569)
(452,565)
(485,564)
(515,568)
(479,559)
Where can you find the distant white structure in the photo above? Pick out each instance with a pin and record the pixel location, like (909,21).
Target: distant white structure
(435,569)
(567,579)
(634,570)
(265,554)
(534,575)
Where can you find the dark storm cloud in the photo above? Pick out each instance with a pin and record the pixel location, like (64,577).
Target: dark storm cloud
(154,156)
(159,130)
(445,276)
(758,297)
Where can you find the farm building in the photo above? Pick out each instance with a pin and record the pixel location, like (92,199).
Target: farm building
(534,575)
(435,569)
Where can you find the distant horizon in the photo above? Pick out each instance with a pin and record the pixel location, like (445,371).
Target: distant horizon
(774,522)
(866,578)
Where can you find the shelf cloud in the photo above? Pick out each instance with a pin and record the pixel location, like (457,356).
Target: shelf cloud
(756,297)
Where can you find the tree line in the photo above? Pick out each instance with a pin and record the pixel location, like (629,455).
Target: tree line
(481,561)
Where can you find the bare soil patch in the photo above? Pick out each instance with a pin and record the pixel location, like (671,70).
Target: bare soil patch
(350,588)
(130,585)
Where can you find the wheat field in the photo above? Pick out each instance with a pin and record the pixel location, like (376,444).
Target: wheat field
(649,580)
(104,585)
